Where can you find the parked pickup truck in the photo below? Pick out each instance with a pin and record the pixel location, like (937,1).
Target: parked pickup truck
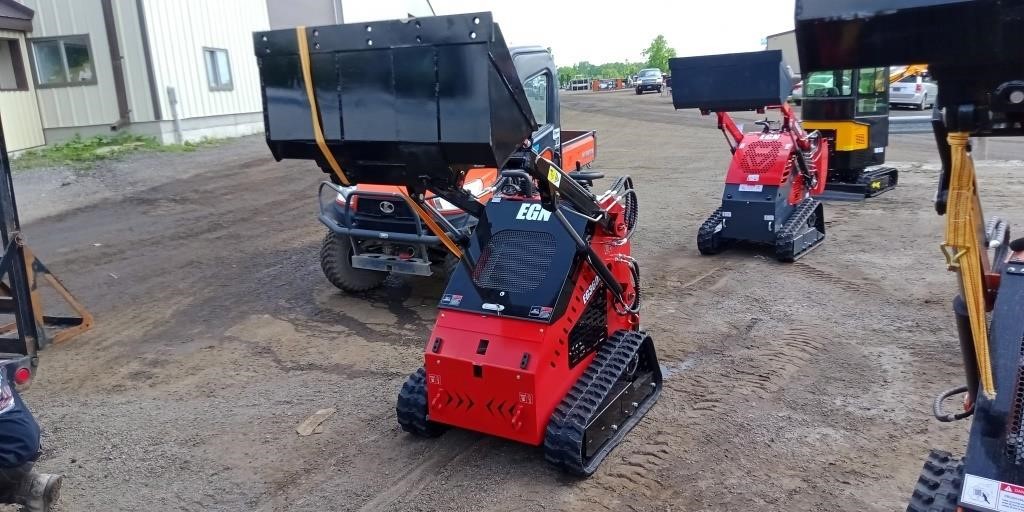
(649,79)
(372,232)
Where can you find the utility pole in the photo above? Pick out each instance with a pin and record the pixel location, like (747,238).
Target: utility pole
(339,15)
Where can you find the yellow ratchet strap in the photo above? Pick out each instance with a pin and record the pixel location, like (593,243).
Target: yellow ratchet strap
(314,110)
(318,134)
(964,248)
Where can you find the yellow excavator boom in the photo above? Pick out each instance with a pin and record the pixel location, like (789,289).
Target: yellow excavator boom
(911,70)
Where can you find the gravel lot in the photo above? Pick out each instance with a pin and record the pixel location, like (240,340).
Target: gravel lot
(789,387)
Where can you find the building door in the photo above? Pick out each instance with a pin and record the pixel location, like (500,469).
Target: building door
(19,110)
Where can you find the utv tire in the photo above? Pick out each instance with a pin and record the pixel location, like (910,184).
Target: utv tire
(938,487)
(336,261)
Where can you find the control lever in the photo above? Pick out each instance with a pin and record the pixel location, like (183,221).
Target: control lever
(586,178)
(524,181)
(586,175)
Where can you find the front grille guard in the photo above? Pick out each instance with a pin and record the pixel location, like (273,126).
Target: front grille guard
(343,224)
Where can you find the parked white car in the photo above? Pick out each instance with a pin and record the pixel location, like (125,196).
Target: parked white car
(914,91)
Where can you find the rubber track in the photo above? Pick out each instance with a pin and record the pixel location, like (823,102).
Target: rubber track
(708,240)
(866,181)
(563,442)
(412,407)
(938,487)
(784,239)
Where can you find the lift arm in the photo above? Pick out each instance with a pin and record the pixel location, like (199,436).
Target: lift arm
(554,183)
(733,134)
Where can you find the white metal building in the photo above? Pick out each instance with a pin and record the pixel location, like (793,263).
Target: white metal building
(174,69)
(786,41)
(178,70)
(18,107)
(311,13)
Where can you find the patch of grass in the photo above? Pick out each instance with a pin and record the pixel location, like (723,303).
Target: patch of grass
(84,154)
(189,147)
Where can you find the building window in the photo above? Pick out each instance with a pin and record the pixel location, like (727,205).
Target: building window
(218,69)
(63,61)
(12,67)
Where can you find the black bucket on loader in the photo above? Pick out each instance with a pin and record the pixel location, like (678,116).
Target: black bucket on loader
(971,64)
(845,34)
(400,102)
(730,82)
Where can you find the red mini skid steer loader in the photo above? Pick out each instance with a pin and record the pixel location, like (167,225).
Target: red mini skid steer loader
(538,335)
(775,172)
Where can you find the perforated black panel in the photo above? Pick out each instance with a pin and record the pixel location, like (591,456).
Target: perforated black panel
(1015,438)
(590,330)
(515,261)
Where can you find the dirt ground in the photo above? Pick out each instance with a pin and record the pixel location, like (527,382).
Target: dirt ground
(788,387)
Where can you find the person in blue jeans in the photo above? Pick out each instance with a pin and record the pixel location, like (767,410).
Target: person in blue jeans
(19,448)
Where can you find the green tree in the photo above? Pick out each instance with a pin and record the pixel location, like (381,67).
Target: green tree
(658,53)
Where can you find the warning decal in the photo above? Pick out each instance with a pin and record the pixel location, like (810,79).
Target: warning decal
(1011,497)
(990,494)
(554,176)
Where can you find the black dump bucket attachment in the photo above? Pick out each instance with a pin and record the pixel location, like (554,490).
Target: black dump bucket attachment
(730,82)
(400,102)
(970,46)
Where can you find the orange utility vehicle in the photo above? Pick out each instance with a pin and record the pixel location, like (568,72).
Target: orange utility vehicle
(373,232)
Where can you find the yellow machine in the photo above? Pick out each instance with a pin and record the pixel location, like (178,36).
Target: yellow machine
(851,108)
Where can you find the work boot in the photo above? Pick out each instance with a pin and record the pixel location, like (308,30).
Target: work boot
(40,491)
(36,492)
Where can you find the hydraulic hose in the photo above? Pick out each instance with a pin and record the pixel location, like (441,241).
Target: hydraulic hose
(946,417)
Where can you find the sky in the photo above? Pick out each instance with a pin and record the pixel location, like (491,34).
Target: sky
(602,31)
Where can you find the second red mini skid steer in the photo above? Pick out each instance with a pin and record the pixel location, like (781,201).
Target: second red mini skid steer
(775,172)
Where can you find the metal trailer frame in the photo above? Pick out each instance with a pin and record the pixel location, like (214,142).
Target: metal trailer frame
(21,274)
